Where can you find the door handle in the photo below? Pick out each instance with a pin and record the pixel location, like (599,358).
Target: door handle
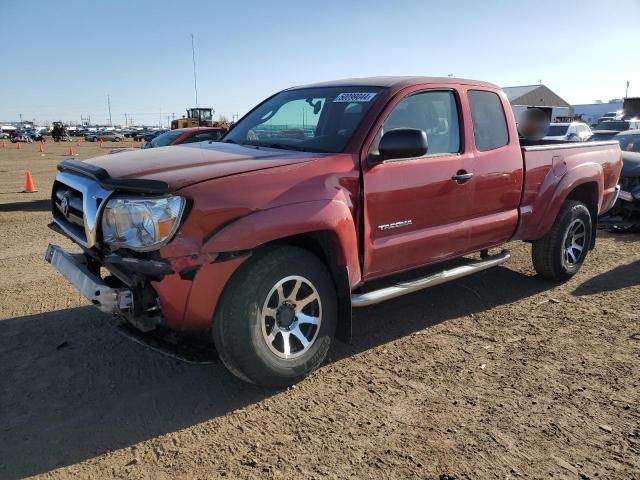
(462,176)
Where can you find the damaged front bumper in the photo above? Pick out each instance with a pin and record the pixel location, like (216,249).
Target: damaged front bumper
(74,268)
(139,307)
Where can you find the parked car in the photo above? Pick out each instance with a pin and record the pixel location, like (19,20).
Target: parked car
(186,135)
(625,214)
(21,136)
(147,136)
(264,242)
(610,116)
(181,136)
(571,132)
(629,140)
(35,135)
(111,136)
(4,135)
(608,129)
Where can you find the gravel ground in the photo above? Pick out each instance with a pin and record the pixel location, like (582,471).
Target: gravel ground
(499,375)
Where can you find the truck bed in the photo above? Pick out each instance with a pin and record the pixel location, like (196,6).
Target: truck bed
(554,168)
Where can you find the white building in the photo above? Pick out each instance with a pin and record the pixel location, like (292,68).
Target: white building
(591,112)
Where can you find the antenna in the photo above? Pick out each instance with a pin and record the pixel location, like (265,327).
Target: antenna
(195,78)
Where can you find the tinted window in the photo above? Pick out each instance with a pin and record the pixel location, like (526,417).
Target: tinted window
(200,137)
(165,139)
(619,125)
(489,123)
(436,113)
(557,130)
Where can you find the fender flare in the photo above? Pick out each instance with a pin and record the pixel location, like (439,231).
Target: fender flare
(264,226)
(574,178)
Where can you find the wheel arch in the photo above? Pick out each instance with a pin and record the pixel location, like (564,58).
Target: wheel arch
(587,193)
(324,228)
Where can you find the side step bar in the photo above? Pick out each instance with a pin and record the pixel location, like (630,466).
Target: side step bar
(394,291)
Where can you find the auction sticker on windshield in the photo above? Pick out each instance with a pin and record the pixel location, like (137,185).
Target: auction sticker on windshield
(355,97)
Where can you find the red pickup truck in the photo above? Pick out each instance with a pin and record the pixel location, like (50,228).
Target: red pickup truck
(266,240)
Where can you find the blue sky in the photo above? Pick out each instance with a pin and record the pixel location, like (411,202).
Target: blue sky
(61,59)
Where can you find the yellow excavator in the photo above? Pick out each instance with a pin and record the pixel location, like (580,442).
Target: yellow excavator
(196,117)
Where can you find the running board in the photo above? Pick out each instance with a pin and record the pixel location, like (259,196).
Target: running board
(394,291)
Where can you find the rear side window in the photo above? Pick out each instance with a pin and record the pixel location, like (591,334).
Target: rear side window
(489,123)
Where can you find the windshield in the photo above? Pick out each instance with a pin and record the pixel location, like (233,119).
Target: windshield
(629,143)
(310,119)
(557,130)
(164,139)
(619,125)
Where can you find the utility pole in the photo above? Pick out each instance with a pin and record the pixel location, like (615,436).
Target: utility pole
(126,123)
(195,79)
(20,118)
(626,92)
(109,104)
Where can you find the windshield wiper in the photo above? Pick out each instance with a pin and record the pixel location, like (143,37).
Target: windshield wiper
(284,146)
(229,141)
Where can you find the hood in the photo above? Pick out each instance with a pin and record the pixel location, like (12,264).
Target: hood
(182,165)
(630,164)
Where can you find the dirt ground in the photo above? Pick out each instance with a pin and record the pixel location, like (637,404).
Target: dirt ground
(499,375)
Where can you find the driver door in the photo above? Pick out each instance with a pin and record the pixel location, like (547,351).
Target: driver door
(415,210)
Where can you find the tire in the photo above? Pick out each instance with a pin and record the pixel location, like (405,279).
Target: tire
(253,322)
(561,252)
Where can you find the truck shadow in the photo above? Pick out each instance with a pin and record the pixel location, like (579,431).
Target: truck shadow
(30,206)
(383,323)
(620,277)
(73,388)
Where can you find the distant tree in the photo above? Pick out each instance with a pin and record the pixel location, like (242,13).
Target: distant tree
(223,119)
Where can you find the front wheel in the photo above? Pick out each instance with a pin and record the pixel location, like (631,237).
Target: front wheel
(561,252)
(276,319)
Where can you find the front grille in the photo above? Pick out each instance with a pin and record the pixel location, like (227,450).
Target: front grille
(68,210)
(76,203)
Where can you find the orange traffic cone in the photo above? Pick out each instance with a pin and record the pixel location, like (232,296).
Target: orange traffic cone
(101,144)
(41,147)
(70,151)
(78,143)
(29,186)
(18,146)
(4,145)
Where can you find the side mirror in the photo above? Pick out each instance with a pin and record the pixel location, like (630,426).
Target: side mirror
(403,143)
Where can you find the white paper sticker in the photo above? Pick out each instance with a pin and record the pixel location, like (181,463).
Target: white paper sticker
(355,97)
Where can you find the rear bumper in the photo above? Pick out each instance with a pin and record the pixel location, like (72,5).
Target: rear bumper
(611,201)
(74,268)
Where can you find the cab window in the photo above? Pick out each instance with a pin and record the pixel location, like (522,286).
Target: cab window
(434,112)
(489,123)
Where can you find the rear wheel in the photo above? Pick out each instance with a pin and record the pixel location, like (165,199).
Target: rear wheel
(275,321)
(561,252)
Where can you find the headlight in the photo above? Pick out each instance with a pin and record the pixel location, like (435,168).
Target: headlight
(141,223)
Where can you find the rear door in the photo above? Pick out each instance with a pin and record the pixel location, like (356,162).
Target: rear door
(414,210)
(498,170)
